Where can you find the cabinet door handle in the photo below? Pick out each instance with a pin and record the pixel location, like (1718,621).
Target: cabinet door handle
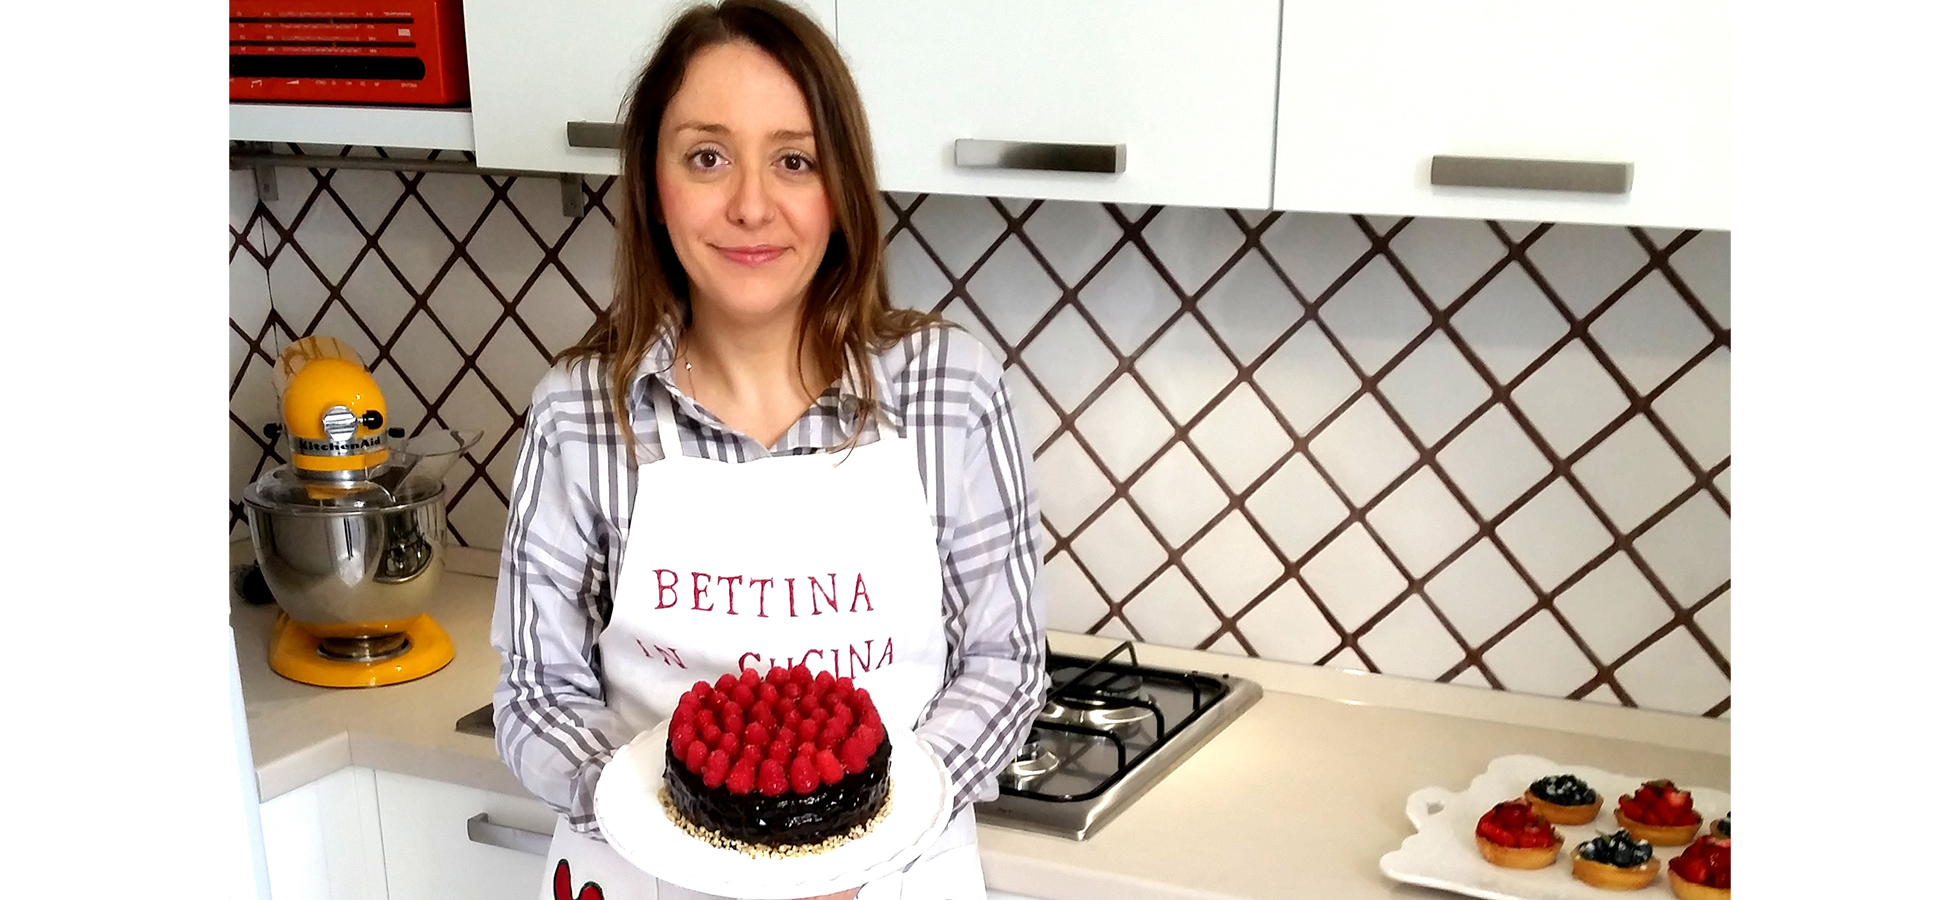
(1531,174)
(1104,159)
(484,831)
(600,135)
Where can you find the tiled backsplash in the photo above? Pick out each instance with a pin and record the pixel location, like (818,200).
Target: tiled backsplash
(1490,453)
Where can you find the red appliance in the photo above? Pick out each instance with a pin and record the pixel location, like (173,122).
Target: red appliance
(407,52)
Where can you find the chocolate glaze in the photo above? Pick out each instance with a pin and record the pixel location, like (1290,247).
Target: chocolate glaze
(788,819)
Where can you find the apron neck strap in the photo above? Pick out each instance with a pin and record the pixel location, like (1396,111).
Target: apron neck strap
(663,421)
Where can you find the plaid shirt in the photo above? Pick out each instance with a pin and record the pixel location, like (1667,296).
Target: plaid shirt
(572,504)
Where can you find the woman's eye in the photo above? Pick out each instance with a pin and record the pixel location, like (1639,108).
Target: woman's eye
(706,159)
(797,162)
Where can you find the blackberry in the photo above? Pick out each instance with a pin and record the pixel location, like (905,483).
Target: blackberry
(1722,825)
(1564,790)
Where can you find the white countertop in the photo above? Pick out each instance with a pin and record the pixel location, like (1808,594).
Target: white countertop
(1300,796)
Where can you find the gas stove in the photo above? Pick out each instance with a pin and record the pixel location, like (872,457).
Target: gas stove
(1110,729)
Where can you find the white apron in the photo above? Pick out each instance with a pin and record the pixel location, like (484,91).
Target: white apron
(825,560)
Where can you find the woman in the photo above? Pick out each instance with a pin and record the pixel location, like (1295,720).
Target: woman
(752,403)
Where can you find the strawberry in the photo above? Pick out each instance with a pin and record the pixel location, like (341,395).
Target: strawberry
(1692,868)
(697,756)
(770,778)
(802,776)
(828,768)
(741,779)
(755,733)
(749,679)
(715,771)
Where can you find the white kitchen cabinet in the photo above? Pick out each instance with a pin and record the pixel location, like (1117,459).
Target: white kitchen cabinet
(1185,89)
(1371,90)
(432,855)
(323,840)
(536,67)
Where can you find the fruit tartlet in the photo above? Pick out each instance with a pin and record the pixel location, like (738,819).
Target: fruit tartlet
(1659,813)
(1564,799)
(1720,827)
(1616,862)
(1701,872)
(1515,836)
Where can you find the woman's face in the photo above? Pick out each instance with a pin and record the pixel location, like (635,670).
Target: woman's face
(739,191)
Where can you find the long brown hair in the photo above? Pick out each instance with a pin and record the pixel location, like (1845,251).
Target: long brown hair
(848,314)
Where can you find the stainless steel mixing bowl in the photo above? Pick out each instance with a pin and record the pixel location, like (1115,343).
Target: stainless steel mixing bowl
(348,566)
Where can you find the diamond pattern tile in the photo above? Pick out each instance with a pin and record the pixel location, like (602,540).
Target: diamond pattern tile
(1362,442)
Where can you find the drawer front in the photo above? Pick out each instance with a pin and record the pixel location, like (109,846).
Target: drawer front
(433,853)
(538,66)
(1033,98)
(1537,109)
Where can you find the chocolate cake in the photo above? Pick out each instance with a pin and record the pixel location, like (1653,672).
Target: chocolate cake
(780,760)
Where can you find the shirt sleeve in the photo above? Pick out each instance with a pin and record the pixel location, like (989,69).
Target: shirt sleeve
(553,728)
(997,652)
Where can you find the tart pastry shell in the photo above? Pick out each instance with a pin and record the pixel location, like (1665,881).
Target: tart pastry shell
(1612,877)
(1659,835)
(1520,857)
(1559,814)
(1688,890)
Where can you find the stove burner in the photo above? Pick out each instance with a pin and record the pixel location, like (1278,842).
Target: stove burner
(1121,717)
(1032,762)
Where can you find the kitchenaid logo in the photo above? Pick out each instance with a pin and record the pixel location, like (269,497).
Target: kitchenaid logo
(313,447)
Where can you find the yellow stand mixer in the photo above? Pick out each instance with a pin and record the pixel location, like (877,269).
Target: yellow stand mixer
(349,534)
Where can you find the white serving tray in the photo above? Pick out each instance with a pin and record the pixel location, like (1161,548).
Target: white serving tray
(1443,851)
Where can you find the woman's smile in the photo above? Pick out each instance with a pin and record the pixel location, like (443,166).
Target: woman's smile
(753,255)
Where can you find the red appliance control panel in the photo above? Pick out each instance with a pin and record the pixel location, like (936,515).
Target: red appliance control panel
(406,52)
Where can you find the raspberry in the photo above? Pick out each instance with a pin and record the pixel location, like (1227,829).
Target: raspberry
(861,700)
(700,690)
(807,749)
(770,778)
(842,712)
(802,776)
(807,704)
(711,734)
(792,719)
(834,733)
(828,768)
(743,694)
(779,752)
(703,719)
(868,735)
(818,715)
(784,705)
(801,675)
(792,690)
(755,733)
(806,730)
(697,756)
(752,753)
(824,681)
(777,676)
(871,717)
(854,757)
(844,686)
(788,735)
(729,743)
(749,679)
(725,683)
(767,693)
(741,779)
(682,733)
(715,771)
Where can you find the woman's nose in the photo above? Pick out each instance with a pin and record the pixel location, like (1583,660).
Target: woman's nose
(751,204)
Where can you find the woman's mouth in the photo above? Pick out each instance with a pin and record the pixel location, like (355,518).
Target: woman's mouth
(751,256)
